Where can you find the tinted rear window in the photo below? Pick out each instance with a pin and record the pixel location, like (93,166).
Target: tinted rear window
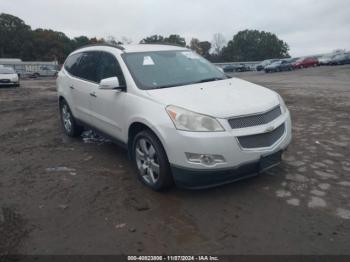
(71,64)
(88,66)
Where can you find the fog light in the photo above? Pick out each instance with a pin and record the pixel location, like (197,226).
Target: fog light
(205,159)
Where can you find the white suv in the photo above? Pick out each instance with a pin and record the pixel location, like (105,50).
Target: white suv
(181,119)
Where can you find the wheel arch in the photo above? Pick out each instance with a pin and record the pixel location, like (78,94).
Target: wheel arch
(61,99)
(137,126)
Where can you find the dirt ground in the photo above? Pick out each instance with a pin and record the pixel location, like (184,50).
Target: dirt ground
(81,196)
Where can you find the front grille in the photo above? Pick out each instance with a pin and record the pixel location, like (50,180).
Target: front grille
(4,81)
(262,140)
(255,120)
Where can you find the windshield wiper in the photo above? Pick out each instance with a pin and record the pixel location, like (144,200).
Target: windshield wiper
(165,86)
(209,80)
(197,82)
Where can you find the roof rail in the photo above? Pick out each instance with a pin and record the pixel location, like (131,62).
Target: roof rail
(163,43)
(103,44)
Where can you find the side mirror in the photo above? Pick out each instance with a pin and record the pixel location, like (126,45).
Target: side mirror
(111,83)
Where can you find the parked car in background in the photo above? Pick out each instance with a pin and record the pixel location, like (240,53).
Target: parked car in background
(340,59)
(8,77)
(165,117)
(279,66)
(292,60)
(325,60)
(305,63)
(236,68)
(265,63)
(44,71)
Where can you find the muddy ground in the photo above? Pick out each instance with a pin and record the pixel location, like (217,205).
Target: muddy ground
(79,196)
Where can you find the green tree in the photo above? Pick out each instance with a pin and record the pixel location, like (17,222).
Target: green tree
(14,36)
(80,41)
(152,39)
(175,39)
(171,39)
(194,45)
(51,45)
(254,45)
(205,47)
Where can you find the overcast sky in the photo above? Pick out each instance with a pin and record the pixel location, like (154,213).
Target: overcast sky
(308,26)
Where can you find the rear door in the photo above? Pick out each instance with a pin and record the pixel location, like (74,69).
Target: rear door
(107,106)
(83,82)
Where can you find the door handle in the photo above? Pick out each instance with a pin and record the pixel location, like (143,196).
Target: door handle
(71,87)
(93,94)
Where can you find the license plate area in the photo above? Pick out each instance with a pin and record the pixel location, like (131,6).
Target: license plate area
(269,161)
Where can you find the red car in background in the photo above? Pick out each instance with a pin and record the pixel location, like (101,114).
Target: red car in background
(305,63)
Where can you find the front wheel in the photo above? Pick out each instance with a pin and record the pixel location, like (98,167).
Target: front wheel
(151,161)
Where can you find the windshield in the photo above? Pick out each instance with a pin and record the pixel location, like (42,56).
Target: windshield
(161,69)
(7,71)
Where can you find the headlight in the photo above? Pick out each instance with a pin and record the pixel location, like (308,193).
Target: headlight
(190,121)
(282,104)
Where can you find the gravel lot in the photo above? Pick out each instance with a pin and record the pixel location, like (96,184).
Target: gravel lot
(81,196)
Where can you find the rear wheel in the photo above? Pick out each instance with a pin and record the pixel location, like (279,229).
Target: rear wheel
(151,161)
(70,126)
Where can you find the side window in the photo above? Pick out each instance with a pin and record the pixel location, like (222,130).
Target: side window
(71,64)
(109,67)
(88,66)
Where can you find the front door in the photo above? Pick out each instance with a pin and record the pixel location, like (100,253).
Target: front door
(107,106)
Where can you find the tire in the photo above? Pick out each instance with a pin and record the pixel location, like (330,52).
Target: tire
(151,161)
(69,124)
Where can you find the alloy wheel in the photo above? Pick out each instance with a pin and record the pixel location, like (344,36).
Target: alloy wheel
(67,118)
(147,161)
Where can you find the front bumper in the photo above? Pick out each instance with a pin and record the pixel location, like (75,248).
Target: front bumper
(239,162)
(7,83)
(195,179)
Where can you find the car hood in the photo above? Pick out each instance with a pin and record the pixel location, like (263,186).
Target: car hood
(8,76)
(324,59)
(222,99)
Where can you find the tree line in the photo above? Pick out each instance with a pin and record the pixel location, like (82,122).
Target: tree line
(18,40)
